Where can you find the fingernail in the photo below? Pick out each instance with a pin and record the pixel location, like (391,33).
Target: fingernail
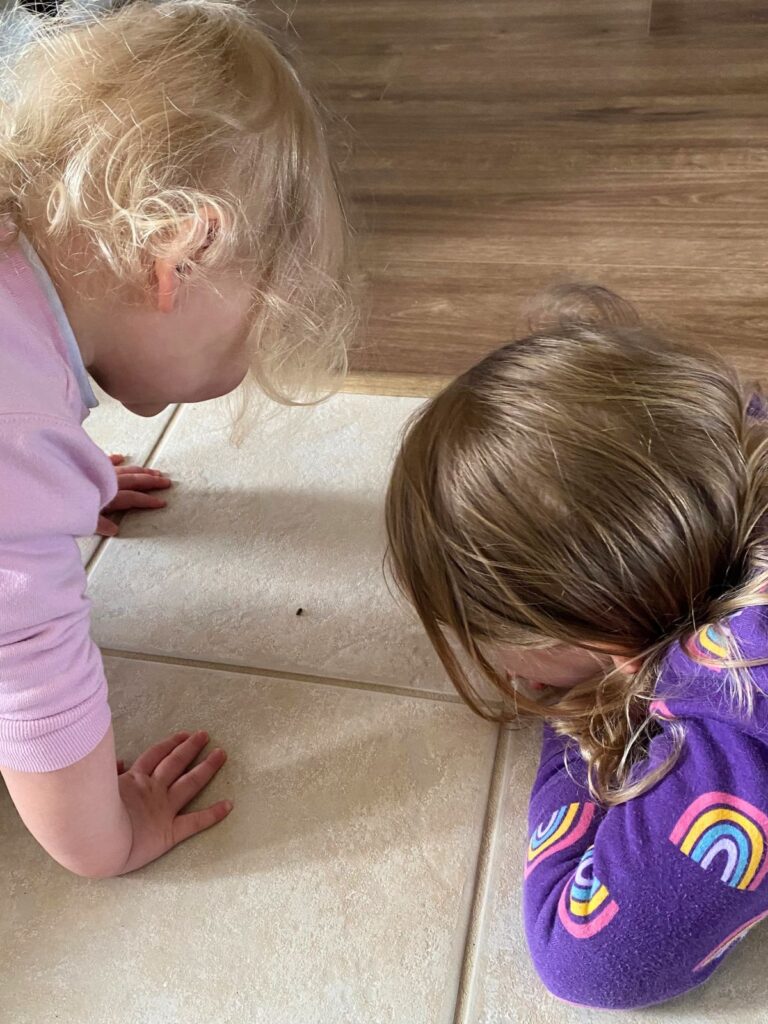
(228,805)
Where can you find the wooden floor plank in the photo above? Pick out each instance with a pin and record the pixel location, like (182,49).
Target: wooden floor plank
(441,317)
(490,148)
(693,16)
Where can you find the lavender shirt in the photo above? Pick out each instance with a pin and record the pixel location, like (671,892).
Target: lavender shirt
(632,905)
(53,482)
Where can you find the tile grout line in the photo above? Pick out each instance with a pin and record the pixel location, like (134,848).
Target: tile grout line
(274,673)
(103,541)
(468,977)
(163,435)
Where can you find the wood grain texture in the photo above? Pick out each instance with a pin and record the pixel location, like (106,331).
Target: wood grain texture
(492,147)
(712,15)
(402,385)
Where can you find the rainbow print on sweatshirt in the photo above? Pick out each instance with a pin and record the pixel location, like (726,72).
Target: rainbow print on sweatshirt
(726,834)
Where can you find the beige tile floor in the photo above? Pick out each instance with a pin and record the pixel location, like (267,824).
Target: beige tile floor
(370,872)
(291,519)
(338,889)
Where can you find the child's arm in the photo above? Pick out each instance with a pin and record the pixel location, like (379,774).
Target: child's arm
(98,823)
(56,746)
(636,904)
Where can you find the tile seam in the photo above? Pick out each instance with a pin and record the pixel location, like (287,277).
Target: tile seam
(486,862)
(273,673)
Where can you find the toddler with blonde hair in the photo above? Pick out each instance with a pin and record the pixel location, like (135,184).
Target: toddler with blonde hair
(171,224)
(580,520)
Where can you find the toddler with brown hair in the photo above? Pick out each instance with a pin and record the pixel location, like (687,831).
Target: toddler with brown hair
(584,514)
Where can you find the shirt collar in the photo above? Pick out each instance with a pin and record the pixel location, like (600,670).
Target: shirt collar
(70,342)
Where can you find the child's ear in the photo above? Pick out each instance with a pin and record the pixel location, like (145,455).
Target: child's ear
(167,282)
(169,271)
(628,666)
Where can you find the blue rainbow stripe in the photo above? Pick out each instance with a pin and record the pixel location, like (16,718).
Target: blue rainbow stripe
(564,827)
(542,834)
(709,647)
(722,832)
(585,906)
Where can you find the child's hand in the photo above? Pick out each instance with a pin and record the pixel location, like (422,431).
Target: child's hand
(158,786)
(100,820)
(132,484)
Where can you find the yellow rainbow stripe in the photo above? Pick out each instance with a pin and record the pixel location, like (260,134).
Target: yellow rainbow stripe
(565,824)
(709,644)
(703,822)
(581,909)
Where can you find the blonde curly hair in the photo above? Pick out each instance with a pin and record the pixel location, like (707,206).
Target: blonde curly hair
(593,485)
(125,134)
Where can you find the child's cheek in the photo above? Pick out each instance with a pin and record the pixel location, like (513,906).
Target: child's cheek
(560,668)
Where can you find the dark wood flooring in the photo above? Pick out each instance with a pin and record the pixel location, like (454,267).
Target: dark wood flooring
(492,147)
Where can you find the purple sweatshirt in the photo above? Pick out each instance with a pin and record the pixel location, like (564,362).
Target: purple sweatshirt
(54,481)
(635,904)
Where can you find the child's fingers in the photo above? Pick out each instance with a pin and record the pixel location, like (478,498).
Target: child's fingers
(195,780)
(136,468)
(135,499)
(137,479)
(176,762)
(150,759)
(120,765)
(106,528)
(117,460)
(186,825)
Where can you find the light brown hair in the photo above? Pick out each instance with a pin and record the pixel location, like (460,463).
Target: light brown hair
(123,128)
(594,484)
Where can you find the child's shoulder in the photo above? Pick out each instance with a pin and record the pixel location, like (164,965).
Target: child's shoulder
(35,377)
(698,679)
(54,478)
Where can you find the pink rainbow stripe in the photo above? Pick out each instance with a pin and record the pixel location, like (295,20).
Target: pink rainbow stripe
(589,928)
(661,708)
(709,800)
(584,821)
(700,655)
(742,930)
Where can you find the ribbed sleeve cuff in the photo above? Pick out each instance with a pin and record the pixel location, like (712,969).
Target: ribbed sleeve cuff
(47,744)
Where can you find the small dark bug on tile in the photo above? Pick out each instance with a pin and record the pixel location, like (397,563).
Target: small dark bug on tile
(299,611)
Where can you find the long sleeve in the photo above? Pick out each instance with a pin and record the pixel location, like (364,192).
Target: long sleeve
(53,695)
(632,905)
